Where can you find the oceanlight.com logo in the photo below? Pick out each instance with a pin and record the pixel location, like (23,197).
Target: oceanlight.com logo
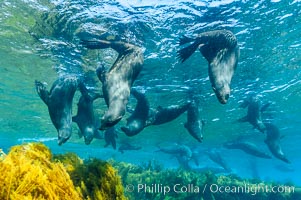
(252,189)
(246,188)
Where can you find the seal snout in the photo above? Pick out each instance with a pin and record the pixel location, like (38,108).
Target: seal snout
(63,136)
(224,100)
(88,139)
(62,140)
(222,93)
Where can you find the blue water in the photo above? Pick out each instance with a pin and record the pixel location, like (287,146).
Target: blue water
(268,34)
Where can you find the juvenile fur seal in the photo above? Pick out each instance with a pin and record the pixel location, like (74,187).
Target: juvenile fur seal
(59,102)
(85,118)
(163,115)
(117,82)
(216,157)
(138,120)
(110,137)
(182,153)
(127,146)
(144,116)
(221,51)
(255,109)
(248,148)
(194,124)
(273,141)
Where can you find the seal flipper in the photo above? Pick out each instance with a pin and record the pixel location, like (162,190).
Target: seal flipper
(101,72)
(184,39)
(42,91)
(99,44)
(185,53)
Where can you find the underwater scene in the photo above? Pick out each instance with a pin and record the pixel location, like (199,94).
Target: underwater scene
(158,100)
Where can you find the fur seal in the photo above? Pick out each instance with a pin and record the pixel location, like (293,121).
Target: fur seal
(163,115)
(216,157)
(85,115)
(59,103)
(248,148)
(144,116)
(117,82)
(182,153)
(273,141)
(138,120)
(194,124)
(221,51)
(255,109)
(110,137)
(128,146)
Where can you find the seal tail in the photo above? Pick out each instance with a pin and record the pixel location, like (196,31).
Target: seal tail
(185,53)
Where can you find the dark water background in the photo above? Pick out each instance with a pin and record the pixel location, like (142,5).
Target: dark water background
(39,40)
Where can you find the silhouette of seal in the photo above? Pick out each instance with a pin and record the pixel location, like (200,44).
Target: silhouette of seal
(216,157)
(273,141)
(255,109)
(248,148)
(127,146)
(194,124)
(117,82)
(110,137)
(59,103)
(182,153)
(163,115)
(144,116)
(85,118)
(221,51)
(138,120)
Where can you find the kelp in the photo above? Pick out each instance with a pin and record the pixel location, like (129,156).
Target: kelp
(28,173)
(93,178)
(187,184)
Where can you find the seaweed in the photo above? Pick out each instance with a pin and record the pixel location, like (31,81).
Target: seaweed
(93,178)
(185,184)
(28,173)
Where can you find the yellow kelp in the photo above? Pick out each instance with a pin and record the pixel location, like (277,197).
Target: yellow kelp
(28,173)
(93,178)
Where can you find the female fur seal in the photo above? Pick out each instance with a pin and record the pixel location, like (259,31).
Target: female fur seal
(117,82)
(273,141)
(144,116)
(194,125)
(255,109)
(138,120)
(59,102)
(248,148)
(221,51)
(85,118)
